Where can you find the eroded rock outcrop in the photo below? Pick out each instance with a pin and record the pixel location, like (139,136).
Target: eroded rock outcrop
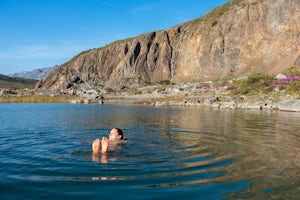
(227,42)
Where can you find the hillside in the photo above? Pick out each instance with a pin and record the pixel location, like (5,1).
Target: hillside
(225,43)
(18,83)
(34,74)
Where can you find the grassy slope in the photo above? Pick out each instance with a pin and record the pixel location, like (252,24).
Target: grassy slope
(18,83)
(218,11)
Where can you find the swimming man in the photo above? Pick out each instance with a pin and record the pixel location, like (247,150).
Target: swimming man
(115,135)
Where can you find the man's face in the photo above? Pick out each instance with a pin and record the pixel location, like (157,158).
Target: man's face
(114,135)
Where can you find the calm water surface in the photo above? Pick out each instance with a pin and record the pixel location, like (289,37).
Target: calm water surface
(171,153)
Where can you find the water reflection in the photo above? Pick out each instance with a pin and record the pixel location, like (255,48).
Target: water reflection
(173,152)
(263,146)
(100,158)
(259,147)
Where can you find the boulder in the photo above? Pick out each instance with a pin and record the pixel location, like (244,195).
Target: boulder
(212,100)
(5,91)
(289,105)
(280,76)
(75,101)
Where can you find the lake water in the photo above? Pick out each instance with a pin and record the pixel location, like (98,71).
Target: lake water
(171,153)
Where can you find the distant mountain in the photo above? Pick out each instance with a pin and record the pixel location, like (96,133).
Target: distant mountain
(15,82)
(34,74)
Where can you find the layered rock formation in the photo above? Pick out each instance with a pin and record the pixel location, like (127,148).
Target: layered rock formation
(227,42)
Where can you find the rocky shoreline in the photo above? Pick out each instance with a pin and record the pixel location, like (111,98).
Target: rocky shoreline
(194,94)
(191,95)
(292,105)
(187,94)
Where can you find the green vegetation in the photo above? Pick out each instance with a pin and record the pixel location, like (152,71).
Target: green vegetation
(253,83)
(293,87)
(218,11)
(165,82)
(81,53)
(293,71)
(117,42)
(291,83)
(18,83)
(258,82)
(108,89)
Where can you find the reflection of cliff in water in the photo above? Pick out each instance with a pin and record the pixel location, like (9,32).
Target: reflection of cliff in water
(259,148)
(263,145)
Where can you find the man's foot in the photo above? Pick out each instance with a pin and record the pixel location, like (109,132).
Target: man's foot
(96,146)
(104,145)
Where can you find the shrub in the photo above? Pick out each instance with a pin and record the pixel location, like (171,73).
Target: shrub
(109,89)
(255,82)
(293,71)
(291,83)
(293,86)
(165,82)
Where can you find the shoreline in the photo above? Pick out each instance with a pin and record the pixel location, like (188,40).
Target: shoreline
(289,105)
(220,98)
(158,95)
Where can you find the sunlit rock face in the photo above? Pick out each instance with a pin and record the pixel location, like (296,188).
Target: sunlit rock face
(228,42)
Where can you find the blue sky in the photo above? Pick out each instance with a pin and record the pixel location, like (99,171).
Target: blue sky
(43,33)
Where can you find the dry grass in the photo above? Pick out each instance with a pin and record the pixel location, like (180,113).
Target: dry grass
(218,11)
(37,99)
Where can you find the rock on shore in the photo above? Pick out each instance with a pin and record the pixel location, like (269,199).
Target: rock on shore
(192,94)
(289,105)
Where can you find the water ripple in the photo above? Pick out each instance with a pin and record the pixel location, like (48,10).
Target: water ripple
(170,153)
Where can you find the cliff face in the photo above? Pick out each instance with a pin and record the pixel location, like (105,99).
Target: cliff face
(227,42)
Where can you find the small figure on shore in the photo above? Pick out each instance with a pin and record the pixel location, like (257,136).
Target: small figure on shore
(115,136)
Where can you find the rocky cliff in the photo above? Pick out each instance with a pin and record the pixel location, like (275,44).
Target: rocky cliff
(227,42)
